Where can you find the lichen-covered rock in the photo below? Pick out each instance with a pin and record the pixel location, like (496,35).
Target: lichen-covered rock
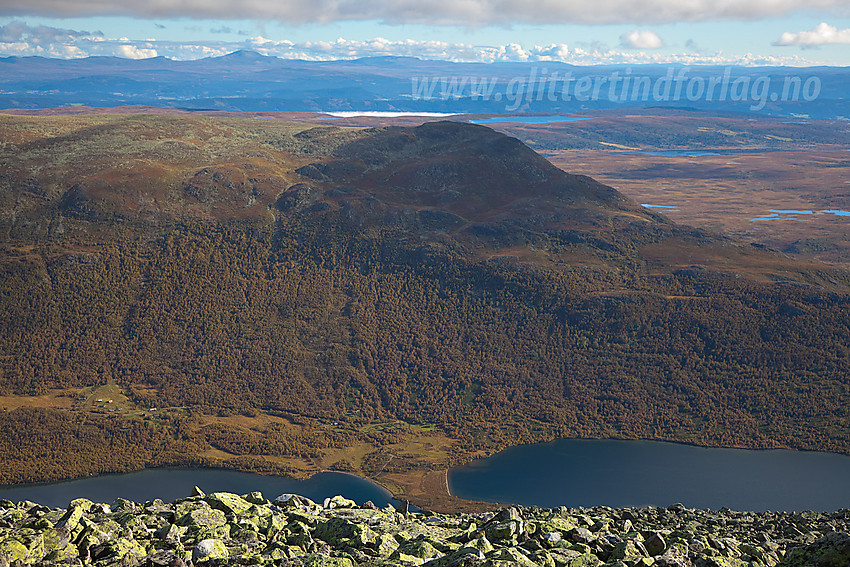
(171,533)
(580,534)
(832,550)
(165,558)
(655,544)
(385,545)
(721,562)
(294,501)
(463,557)
(315,560)
(675,556)
(256,497)
(203,517)
(71,519)
(542,558)
(481,544)
(12,550)
(337,531)
(228,529)
(339,502)
(401,558)
(218,532)
(229,503)
(54,540)
(511,554)
(209,550)
(64,554)
(572,558)
(117,549)
(555,524)
(420,550)
(625,551)
(503,531)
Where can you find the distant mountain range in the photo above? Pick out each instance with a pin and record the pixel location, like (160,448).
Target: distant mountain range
(248,81)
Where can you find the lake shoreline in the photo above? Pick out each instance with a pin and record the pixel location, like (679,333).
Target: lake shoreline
(426,489)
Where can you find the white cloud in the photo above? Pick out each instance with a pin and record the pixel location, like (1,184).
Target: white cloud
(437,12)
(133,52)
(823,34)
(641,39)
(554,52)
(512,52)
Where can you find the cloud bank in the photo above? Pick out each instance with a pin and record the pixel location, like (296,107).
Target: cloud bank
(437,12)
(823,34)
(19,39)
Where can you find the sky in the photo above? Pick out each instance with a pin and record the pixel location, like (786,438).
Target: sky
(743,32)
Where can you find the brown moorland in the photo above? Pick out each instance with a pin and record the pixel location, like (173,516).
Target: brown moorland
(755,165)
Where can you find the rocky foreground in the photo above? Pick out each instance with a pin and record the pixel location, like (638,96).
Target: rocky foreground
(226,529)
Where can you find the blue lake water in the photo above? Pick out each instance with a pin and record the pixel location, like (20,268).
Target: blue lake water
(581,472)
(776,214)
(530,119)
(171,484)
(676,153)
(686,153)
(386,114)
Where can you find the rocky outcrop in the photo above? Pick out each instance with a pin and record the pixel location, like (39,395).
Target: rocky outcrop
(832,550)
(226,529)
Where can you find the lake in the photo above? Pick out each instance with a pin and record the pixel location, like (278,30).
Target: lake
(688,153)
(670,207)
(383,114)
(675,153)
(775,214)
(568,472)
(171,484)
(529,119)
(581,472)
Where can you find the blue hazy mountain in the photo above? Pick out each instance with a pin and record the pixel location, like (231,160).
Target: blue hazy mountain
(249,81)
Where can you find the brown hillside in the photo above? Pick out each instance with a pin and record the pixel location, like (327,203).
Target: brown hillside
(385,301)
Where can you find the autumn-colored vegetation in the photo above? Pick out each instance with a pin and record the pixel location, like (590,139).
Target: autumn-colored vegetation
(335,310)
